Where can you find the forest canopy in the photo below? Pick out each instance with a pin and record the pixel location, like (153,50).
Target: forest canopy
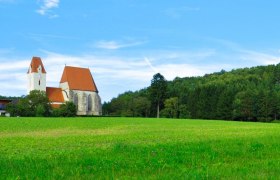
(248,94)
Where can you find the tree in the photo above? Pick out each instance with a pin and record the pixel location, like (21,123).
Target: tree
(158,91)
(106,108)
(245,106)
(171,107)
(38,103)
(224,105)
(34,104)
(142,106)
(12,108)
(123,105)
(68,109)
(183,111)
(40,111)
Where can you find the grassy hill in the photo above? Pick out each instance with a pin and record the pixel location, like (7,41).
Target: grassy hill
(90,148)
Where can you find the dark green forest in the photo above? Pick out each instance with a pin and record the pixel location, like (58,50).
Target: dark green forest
(248,94)
(9,97)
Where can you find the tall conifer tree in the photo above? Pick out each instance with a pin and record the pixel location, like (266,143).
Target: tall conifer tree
(158,91)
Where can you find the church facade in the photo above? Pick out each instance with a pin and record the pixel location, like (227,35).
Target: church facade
(76,85)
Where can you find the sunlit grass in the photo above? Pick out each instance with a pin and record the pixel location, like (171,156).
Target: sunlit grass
(127,148)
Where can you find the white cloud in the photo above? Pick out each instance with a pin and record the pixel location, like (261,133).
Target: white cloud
(113,45)
(12,66)
(13,77)
(115,74)
(47,6)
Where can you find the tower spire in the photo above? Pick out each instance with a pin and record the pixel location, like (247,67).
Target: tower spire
(36,75)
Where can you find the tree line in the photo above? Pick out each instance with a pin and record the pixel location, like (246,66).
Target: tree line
(248,94)
(36,104)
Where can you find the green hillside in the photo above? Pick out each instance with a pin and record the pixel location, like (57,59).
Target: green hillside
(125,148)
(249,94)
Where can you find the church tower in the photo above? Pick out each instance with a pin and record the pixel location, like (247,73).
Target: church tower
(36,75)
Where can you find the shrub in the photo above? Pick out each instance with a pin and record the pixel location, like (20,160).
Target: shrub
(66,110)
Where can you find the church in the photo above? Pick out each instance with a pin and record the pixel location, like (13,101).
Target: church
(76,85)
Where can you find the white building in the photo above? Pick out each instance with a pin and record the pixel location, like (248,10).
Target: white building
(76,85)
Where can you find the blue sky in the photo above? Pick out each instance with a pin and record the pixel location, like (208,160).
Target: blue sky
(125,42)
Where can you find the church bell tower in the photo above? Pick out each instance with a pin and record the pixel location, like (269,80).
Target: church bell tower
(36,75)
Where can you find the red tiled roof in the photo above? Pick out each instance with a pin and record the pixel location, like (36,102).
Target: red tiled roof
(35,62)
(78,79)
(54,94)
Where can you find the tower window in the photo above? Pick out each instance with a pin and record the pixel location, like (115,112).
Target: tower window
(76,101)
(39,82)
(89,103)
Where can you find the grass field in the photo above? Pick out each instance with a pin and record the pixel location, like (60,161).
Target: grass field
(125,148)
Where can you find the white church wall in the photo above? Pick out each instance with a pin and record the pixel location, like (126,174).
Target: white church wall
(96,107)
(82,104)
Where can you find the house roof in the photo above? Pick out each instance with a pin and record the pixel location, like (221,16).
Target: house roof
(54,94)
(5,101)
(35,63)
(78,79)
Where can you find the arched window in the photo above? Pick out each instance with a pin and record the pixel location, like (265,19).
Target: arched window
(76,100)
(89,103)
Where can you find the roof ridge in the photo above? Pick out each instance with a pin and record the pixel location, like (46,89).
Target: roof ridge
(94,83)
(76,67)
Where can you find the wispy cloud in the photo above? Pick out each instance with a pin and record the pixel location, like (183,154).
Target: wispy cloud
(38,37)
(247,55)
(129,72)
(147,60)
(260,57)
(121,72)
(47,6)
(113,45)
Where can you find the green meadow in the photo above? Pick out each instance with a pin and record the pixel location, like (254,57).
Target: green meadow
(137,148)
